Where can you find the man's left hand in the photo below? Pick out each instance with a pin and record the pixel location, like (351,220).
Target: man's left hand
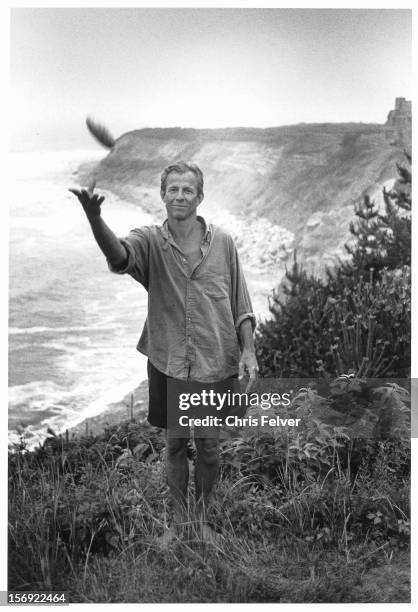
(248,363)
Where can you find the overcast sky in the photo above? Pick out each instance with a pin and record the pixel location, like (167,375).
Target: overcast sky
(138,67)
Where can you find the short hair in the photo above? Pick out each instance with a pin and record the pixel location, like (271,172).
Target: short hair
(181,168)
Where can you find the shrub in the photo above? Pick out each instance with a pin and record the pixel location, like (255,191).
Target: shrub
(347,325)
(341,477)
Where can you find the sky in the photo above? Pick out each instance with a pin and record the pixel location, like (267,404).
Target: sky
(197,67)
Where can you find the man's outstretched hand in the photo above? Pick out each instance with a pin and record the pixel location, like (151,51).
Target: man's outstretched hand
(109,243)
(90,201)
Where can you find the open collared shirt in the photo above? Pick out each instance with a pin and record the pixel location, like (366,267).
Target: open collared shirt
(194,314)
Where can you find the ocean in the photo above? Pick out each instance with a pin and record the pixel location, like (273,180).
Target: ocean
(73,325)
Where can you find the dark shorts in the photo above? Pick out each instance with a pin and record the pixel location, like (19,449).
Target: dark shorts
(157,387)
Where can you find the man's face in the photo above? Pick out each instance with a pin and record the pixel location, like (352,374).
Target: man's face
(181,198)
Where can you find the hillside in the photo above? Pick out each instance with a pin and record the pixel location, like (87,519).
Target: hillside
(274,188)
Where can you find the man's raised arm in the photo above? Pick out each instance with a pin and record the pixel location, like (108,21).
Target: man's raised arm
(108,242)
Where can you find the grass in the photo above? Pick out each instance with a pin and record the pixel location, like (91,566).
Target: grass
(86,517)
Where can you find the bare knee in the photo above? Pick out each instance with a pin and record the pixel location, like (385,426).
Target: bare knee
(207,450)
(176,447)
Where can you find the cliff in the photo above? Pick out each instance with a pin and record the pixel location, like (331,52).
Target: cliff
(276,188)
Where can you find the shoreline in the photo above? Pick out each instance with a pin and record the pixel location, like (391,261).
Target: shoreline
(116,412)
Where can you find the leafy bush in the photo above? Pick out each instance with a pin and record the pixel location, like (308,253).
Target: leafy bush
(348,325)
(326,482)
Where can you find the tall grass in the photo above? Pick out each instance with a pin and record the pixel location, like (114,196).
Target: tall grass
(86,516)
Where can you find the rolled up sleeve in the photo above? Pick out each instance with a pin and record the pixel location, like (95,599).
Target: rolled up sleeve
(240,299)
(137,248)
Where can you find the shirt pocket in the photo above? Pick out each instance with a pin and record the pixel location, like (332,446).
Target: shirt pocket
(216,287)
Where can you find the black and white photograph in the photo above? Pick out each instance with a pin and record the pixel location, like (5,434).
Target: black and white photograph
(209,305)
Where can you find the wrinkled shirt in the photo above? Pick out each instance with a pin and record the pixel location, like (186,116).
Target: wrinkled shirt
(194,314)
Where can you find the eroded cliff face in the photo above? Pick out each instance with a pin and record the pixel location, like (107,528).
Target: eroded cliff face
(275,189)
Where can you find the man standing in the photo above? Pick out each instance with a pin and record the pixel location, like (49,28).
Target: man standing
(200,322)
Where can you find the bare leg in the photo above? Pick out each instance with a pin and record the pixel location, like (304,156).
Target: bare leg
(177,473)
(206,471)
